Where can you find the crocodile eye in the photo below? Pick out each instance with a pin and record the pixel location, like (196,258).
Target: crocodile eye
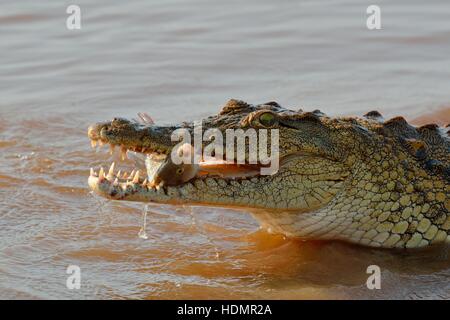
(180,170)
(267,119)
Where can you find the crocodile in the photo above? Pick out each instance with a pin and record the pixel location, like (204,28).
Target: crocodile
(363,180)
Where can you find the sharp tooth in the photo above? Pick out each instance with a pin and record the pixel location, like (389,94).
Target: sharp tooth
(92,172)
(111,149)
(136,177)
(111,169)
(145,182)
(101,173)
(132,174)
(93,143)
(159,185)
(118,174)
(116,182)
(125,175)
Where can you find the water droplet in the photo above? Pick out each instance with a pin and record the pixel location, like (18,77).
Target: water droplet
(142,233)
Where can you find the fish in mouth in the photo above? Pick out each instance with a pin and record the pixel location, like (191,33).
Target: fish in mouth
(362,180)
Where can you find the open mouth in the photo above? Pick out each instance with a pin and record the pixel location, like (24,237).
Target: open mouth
(158,173)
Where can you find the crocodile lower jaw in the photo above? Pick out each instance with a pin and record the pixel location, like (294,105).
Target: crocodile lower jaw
(136,189)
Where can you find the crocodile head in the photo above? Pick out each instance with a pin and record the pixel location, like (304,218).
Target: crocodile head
(359,180)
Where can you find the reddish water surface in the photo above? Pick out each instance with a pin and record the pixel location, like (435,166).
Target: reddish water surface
(182,61)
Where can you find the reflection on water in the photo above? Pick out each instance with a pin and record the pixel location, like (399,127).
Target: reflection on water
(180,61)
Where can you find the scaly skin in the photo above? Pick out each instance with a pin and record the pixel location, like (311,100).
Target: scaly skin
(361,180)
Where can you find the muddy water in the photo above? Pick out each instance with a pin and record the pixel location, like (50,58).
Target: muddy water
(181,61)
